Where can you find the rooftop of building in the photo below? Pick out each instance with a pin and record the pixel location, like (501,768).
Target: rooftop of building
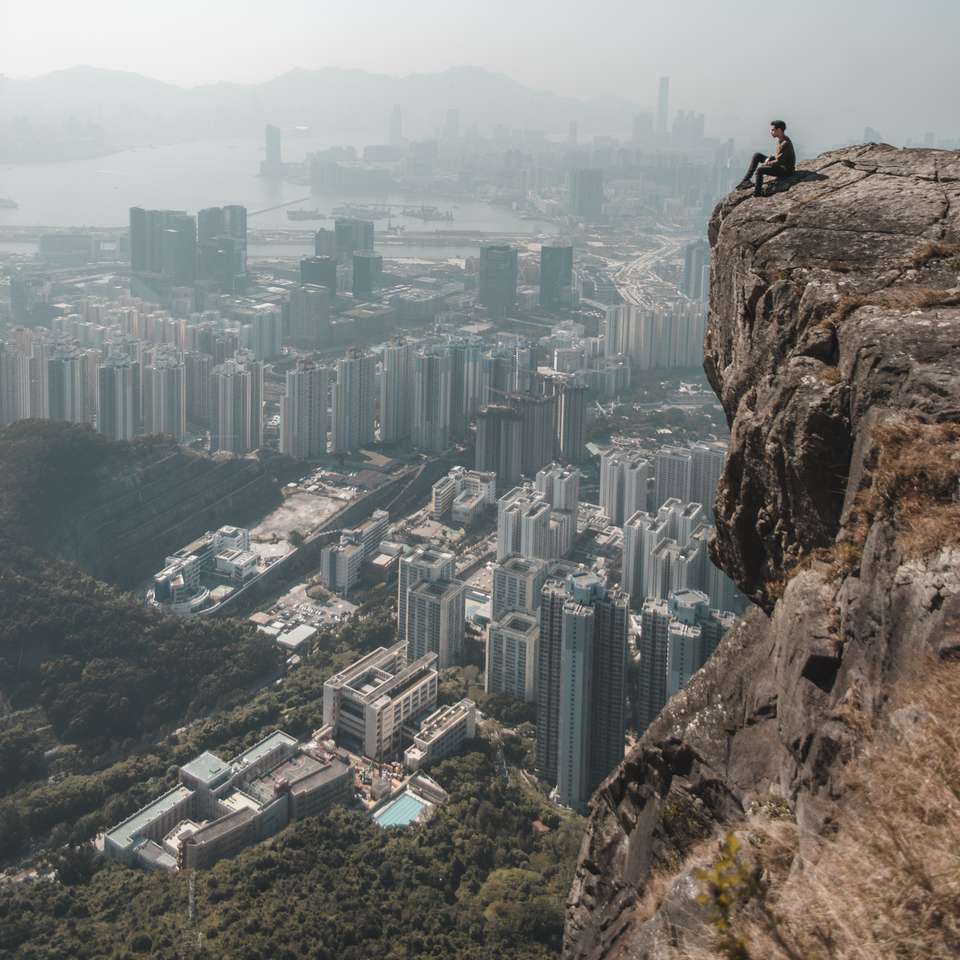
(440,720)
(519,623)
(263,747)
(206,768)
(125,832)
(225,824)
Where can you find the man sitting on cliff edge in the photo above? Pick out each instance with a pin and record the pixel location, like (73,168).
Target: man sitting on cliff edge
(781,164)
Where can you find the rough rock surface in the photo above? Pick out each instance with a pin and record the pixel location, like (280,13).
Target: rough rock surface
(835,309)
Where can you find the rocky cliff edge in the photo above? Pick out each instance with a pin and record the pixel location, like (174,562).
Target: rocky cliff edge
(833,346)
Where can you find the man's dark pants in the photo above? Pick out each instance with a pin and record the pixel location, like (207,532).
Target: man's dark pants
(775,170)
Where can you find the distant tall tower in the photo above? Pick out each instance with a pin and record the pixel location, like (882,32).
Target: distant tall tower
(556,274)
(586,192)
(319,271)
(498,278)
(663,106)
(310,314)
(396,126)
(303,412)
(367,270)
(352,425)
(273,164)
(570,422)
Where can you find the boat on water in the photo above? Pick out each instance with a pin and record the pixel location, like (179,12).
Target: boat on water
(427,213)
(361,212)
(7,204)
(305,215)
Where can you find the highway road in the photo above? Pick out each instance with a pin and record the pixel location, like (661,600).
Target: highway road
(637,282)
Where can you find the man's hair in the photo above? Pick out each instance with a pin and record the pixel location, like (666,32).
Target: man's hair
(779,124)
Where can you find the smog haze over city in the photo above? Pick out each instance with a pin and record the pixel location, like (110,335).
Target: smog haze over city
(386,395)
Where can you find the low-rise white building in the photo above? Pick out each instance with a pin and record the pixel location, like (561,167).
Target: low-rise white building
(442,734)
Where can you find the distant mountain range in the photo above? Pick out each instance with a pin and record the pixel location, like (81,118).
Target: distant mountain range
(85,109)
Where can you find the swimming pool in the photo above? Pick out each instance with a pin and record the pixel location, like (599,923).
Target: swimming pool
(400,812)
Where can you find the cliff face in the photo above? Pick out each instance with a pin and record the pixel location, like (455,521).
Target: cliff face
(833,346)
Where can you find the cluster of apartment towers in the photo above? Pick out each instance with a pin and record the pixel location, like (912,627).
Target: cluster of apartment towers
(559,636)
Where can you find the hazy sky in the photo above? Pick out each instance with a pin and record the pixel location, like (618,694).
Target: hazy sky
(891,63)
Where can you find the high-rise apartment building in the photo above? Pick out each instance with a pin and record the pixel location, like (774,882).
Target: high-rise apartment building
(517,585)
(528,526)
(163,243)
(435,621)
(570,420)
(706,466)
(498,278)
(674,474)
(118,398)
(69,371)
(586,192)
(353,402)
(165,395)
(396,393)
(537,415)
(560,486)
(556,275)
(499,443)
(262,332)
(511,656)
(581,663)
(624,477)
(310,315)
(303,412)
(677,637)
(236,405)
(430,428)
(423,565)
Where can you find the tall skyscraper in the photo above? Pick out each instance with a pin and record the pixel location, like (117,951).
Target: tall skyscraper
(118,398)
(262,332)
(310,315)
(511,660)
(586,192)
(353,402)
(396,126)
(435,621)
(663,107)
(272,165)
(197,370)
(523,525)
(303,412)
(499,449)
(163,245)
(236,405)
(351,235)
(431,400)
(367,271)
(165,396)
(677,637)
(68,371)
(696,257)
(319,271)
(396,382)
(498,278)
(325,243)
(580,685)
(424,564)
(556,275)
(465,380)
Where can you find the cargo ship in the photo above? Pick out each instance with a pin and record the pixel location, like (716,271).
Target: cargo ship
(7,204)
